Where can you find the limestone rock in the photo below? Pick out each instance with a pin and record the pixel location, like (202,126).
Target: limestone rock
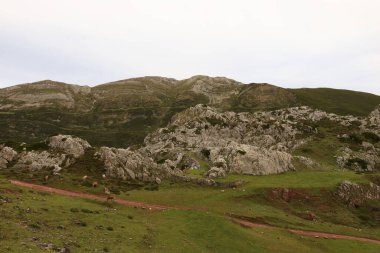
(35,160)
(7,155)
(362,160)
(251,160)
(130,165)
(215,172)
(354,194)
(374,117)
(188,162)
(307,162)
(69,145)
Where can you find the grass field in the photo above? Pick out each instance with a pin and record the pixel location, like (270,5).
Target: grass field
(33,219)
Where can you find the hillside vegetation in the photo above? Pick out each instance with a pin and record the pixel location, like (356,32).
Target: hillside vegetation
(343,102)
(122,113)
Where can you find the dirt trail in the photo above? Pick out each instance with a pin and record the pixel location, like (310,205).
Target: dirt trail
(306,233)
(89,196)
(163,207)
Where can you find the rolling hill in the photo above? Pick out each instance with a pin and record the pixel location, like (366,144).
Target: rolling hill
(122,113)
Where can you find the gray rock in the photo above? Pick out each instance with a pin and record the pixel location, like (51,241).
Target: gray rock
(69,145)
(354,194)
(362,160)
(7,155)
(35,160)
(130,165)
(307,162)
(215,172)
(188,162)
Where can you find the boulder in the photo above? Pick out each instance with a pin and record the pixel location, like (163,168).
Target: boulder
(7,155)
(356,194)
(35,161)
(130,165)
(69,145)
(251,160)
(363,160)
(215,172)
(307,162)
(374,117)
(188,162)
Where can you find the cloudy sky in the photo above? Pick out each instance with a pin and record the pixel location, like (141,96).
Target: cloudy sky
(290,43)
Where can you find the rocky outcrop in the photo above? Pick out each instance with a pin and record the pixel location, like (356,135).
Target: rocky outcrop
(35,161)
(130,165)
(245,143)
(189,163)
(374,117)
(215,172)
(217,89)
(250,160)
(63,152)
(356,194)
(7,155)
(364,160)
(307,162)
(69,145)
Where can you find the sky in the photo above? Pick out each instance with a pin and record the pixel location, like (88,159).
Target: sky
(289,43)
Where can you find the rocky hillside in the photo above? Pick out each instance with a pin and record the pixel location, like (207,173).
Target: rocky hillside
(214,143)
(122,113)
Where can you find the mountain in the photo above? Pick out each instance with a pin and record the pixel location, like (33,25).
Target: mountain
(145,160)
(122,113)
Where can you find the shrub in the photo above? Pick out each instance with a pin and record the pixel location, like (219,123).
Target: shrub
(205,153)
(115,190)
(355,138)
(363,164)
(371,136)
(84,210)
(215,121)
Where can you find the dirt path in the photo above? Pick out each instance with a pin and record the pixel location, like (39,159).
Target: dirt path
(89,196)
(306,233)
(162,207)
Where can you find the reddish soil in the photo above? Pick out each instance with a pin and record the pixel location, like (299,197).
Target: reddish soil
(240,221)
(89,196)
(246,223)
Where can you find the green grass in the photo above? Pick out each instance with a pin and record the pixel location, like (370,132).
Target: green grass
(89,226)
(341,102)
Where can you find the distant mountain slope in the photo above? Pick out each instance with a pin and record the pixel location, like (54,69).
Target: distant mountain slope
(342,102)
(122,113)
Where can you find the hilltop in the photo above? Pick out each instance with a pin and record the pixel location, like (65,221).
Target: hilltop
(122,113)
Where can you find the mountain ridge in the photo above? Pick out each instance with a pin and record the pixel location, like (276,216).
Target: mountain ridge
(123,112)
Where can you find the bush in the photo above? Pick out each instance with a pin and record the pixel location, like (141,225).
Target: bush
(355,138)
(371,136)
(363,164)
(215,121)
(84,210)
(152,187)
(205,153)
(114,190)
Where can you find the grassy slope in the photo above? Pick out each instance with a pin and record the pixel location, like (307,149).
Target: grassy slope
(126,111)
(341,102)
(209,205)
(31,214)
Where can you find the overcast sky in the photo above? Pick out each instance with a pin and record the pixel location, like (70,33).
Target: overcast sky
(290,43)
